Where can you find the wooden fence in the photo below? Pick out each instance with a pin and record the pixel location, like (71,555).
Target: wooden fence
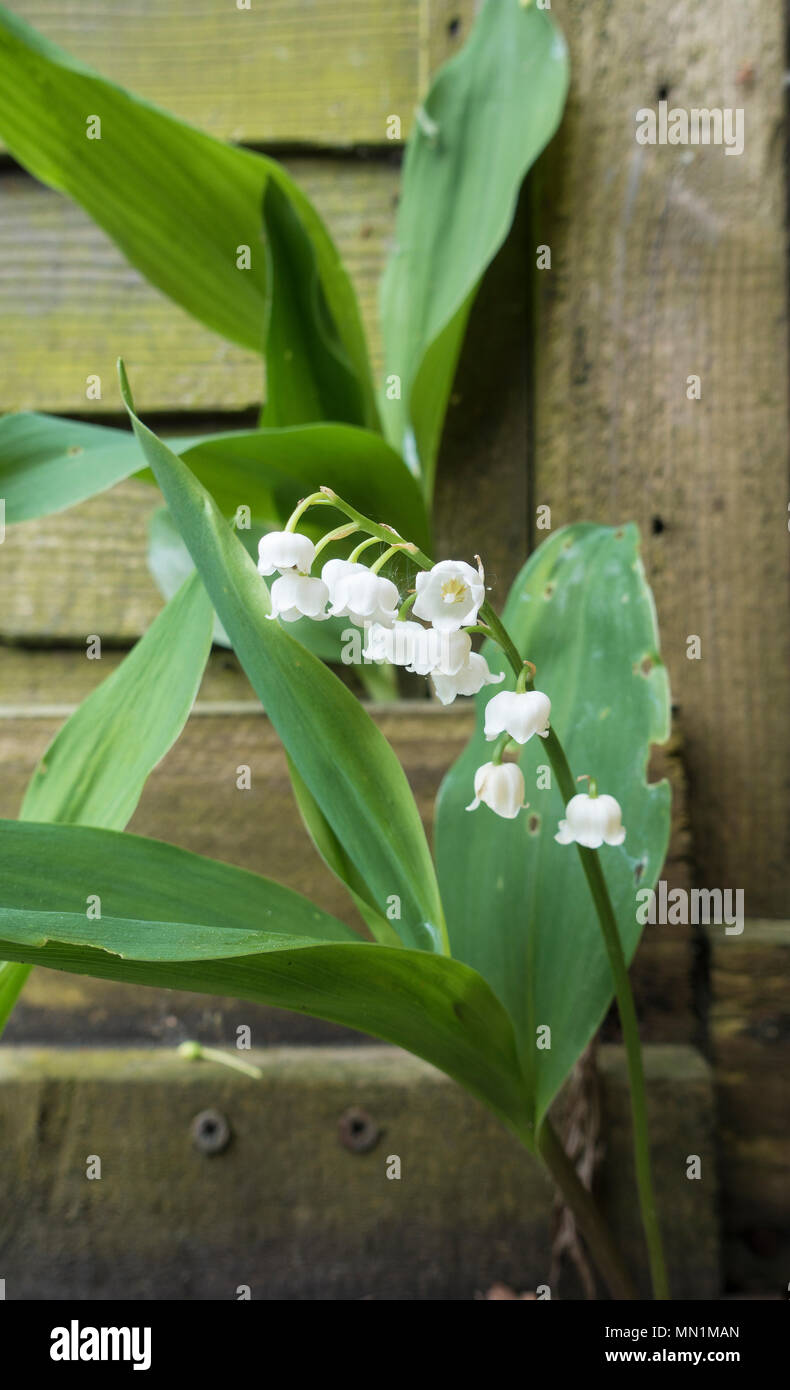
(666,263)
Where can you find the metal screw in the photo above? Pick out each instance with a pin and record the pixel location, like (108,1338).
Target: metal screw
(210,1132)
(357,1131)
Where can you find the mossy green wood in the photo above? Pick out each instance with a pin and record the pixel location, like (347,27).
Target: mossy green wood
(518,905)
(161,908)
(181,205)
(488,115)
(48,464)
(345,762)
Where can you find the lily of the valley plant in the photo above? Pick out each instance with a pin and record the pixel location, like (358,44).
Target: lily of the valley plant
(521,928)
(497,959)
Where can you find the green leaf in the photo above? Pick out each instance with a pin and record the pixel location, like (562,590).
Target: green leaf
(96,767)
(345,762)
(290,463)
(334,856)
(157,902)
(47,464)
(164,910)
(179,203)
(488,115)
(518,906)
(12,979)
(308,374)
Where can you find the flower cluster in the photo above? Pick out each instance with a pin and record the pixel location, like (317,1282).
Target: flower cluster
(448,599)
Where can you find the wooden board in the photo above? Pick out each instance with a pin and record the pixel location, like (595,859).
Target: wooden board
(669,262)
(750,1033)
(294,1213)
(325,72)
(70,304)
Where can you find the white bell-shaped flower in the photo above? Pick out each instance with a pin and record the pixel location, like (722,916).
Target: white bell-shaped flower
(442,652)
(285,550)
(592,821)
(298,596)
(395,644)
(467,680)
(449,595)
(364,597)
(501,787)
(335,570)
(519,714)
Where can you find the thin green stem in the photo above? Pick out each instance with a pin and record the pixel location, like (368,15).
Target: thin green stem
(586,1212)
(340,533)
(387,555)
(406,606)
(363,545)
(196,1052)
(384,533)
(316,499)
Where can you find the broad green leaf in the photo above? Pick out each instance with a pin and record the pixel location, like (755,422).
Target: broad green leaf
(96,767)
(47,464)
(517,903)
(433,1006)
(181,205)
(488,115)
(308,374)
(185,906)
(345,762)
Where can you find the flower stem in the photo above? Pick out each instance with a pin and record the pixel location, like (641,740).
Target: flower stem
(387,555)
(363,545)
(596,882)
(586,1213)
(340,533)
(316,499)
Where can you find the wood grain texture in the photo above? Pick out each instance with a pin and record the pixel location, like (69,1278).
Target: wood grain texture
(294,1213)
(324,72)
(750,1034)
(82,571)
(669,262)
(71,305)
(192,800)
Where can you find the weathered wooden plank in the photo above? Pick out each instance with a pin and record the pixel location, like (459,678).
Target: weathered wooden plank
(70,304)
(669,262)
(750,1034)
(295,1214)
(326,73)
(82,571)
(192,800)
